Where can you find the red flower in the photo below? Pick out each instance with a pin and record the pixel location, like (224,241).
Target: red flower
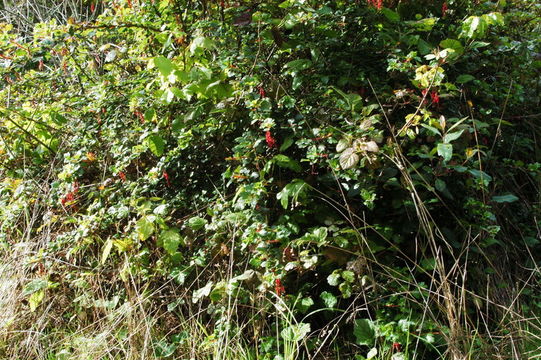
(92,7)
(378,4)
(397,347)
(122,176)
(271,142)
(166,177)
(444,9)
(435,97)
(279,288)
(261,91)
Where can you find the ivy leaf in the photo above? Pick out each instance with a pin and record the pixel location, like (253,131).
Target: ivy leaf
(156,144)
(445,151)
(170,239)
(349,159)
(145,228)
(364,331)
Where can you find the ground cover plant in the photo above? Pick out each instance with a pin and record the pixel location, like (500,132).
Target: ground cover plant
(290,179)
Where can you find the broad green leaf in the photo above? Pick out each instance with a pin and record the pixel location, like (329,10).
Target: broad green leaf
(201,293)
(286,162)
(145,228)
(504,198)
(452,44)
(295,189)
(106,250)
(35,299)
(445,151)
(287,143)
(35,285)
(334,278)
(342,145)
(164,65)
(298,65)
(364,331)
(156,144)
(170,240)
(348,158)
(295,332)
(329,299)
(391,15)
(452,136)
(464,78)
(197,223)
(201,42)
(305,304)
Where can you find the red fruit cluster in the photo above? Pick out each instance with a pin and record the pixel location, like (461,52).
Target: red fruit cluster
(166,177)
(378,4)
(279,288)
(271,141)
(444,8)
(70,195)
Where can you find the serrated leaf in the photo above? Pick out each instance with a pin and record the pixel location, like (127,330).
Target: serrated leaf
(333,279)
(364,331)
(170,239)
(156,144)
(348,158)
(329,299)
(370,146)
(144,228)
(445,151)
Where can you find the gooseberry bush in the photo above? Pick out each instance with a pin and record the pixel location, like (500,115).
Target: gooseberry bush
(272,180)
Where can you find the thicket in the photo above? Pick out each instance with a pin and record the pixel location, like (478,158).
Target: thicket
(290,179)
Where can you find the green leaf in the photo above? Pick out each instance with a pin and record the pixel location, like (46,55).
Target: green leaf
(35,299)
(342,145)
(106,250)
(364,331)
(298,65)
(329,299)
(452,44)
(348,158)
(197,223)
(201,42)
(452,136)
(34,286)
(509,198)
(348,275)
(286,162)
(287,143)
(305,304)
(145,228)
(170,240)
(464,78)
(164,65)
(445,151)
(372,353)
(156,144)
(295,332)
(334,278)
(295,189)
(391,15)
(201,293)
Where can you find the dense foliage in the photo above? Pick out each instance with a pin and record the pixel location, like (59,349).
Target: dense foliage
(272,180)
